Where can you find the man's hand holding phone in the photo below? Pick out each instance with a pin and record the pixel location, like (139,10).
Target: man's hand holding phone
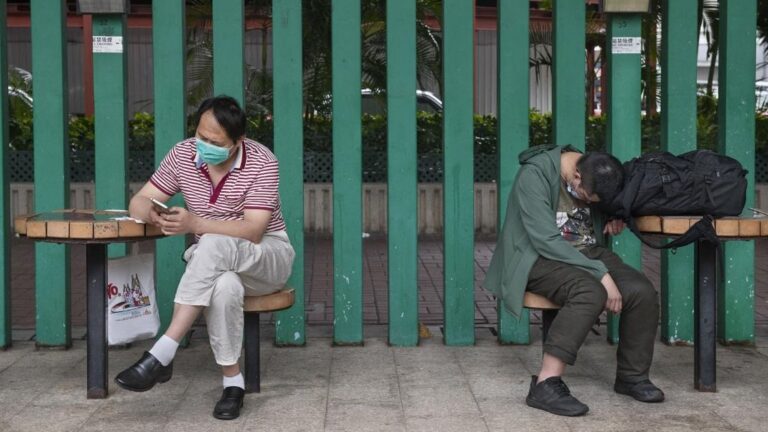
(172,220)
(157,210)
(159,206)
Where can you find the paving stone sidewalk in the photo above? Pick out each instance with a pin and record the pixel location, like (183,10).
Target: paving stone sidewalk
(380,388)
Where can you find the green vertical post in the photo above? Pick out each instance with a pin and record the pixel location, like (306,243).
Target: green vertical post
(513,106)
(168,48)
(736,121)
(402,186)
(458,181)
(229,49)
(288,108)
(347,174)
(623,129)
(569,63)
(51,140)
(678,135)
(5,222)
(111,116)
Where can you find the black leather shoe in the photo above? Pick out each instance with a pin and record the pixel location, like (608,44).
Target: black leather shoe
(644,391)
(144,374)
(552,395)
(228,407)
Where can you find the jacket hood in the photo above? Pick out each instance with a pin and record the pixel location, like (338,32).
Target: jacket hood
(529,156)
(526,155)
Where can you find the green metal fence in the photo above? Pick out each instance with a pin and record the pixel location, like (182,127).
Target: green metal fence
(51,158)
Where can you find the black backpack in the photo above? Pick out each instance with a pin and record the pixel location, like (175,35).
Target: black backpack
(697,183)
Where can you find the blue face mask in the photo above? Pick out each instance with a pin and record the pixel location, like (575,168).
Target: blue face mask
(211,154)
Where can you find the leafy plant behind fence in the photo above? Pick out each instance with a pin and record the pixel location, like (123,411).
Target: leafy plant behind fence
(318,146)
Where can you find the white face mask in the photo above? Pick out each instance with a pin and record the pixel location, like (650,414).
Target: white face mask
(572,191)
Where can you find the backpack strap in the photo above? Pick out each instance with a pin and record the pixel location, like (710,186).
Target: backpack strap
(702,229)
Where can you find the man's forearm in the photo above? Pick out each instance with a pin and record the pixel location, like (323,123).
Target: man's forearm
(139,208)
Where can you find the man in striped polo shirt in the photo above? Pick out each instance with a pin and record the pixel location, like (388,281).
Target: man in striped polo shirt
(230,187)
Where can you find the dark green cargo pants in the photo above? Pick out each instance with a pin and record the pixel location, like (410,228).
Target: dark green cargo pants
(583,297)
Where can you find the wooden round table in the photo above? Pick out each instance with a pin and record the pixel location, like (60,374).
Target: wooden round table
(96,229)
(707,280)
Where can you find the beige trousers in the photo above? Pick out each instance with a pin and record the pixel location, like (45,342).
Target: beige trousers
(220,271)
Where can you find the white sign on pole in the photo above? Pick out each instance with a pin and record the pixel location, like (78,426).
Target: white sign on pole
(625,45)
(107,44)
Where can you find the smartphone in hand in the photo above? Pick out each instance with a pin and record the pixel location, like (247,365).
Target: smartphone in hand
(160,207)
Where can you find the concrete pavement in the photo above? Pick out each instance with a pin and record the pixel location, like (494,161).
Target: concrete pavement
(380,388)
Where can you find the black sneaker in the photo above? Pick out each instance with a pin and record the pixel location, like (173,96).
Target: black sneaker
(644,391)
(553,395)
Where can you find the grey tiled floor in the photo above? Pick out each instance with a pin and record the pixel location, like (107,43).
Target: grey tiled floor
(381,388)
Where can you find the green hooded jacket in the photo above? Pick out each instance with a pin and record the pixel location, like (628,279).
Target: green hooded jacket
(530,228)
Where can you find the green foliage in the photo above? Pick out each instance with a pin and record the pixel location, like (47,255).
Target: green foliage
(81,132)
(19,108)
(141,131)
(318,131)
(20,129)
(595,134)
(540,128)
(761,134)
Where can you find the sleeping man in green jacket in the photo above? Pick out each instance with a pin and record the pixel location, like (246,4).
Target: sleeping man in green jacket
(550,245)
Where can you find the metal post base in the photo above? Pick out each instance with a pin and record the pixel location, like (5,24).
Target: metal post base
(96,272)
(705,321)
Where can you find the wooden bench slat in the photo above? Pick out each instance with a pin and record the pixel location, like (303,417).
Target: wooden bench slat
(677,225)
(650,224)
(36,229)
(57,229)
(727,227)
(280,300)
(80,230)
(129,228)
(105,230)
(20,223)
(535,301)
(749,228)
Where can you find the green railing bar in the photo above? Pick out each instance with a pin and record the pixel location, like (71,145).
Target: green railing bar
(5,222)
(111,120)
(288,85)
(168,48)
(51,140)
(568,96)
(513,103)
(458,182)
(402,237)
(736,121)
(229,49)
(347,174)
(623,125)
(678,135)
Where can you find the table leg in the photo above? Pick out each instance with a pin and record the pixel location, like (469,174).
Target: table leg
(96,272)
(705,321)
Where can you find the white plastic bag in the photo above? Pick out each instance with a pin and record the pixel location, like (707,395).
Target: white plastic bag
(131,303)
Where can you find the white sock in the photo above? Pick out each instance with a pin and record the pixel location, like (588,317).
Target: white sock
(234,381)
(164,350)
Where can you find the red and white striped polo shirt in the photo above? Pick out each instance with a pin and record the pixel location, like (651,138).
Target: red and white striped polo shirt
(251,183)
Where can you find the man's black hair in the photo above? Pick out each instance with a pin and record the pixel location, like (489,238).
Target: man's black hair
(227,112)
(601,174)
